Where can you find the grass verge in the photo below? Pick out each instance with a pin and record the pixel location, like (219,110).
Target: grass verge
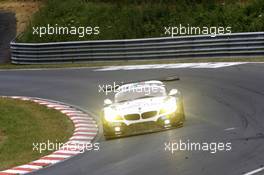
(2,136)
(123,63)
(23,123)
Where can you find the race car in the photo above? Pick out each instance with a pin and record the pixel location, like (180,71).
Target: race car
(142,107)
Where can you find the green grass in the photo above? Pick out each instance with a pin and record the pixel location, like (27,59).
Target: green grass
(133,62)
(23,123)
(119,19)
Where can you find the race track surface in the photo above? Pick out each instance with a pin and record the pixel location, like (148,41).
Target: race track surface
(221,105)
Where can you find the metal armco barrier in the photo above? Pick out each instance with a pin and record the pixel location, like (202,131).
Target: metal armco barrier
(237,44)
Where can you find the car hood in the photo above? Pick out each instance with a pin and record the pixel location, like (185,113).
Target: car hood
(140,105)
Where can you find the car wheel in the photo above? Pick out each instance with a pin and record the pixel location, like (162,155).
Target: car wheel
(180,116)
(182,113)
(108,133)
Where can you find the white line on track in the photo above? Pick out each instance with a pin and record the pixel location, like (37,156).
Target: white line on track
(58,156)
(85,128)
(78,142)
(35,167)
(93,67)
(254,171)
(209,65)
(81,118)
(229,129)
(15,171)
(81,137)
(67,152)
(47,161)
(79,115)
(84,122)
(85,125)
(76,133)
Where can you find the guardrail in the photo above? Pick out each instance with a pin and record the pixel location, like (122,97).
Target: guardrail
(237,44)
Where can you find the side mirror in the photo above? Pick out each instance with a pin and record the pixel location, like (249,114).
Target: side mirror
(107,102)
(173,92)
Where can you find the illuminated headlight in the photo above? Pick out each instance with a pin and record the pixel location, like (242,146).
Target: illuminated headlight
(167,122)
(117,129)
(169,106)
(111,115)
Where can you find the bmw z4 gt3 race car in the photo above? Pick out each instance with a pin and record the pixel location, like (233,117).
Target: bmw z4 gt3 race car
(140,108)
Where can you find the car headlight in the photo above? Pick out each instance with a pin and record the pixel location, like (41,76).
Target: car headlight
(110,115)
(169,106)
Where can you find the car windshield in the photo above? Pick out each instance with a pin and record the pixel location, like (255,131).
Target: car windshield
(139,92)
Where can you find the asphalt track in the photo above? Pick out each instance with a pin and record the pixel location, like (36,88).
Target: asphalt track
(221,105)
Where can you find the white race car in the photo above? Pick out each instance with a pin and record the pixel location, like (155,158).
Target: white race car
(142,107)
